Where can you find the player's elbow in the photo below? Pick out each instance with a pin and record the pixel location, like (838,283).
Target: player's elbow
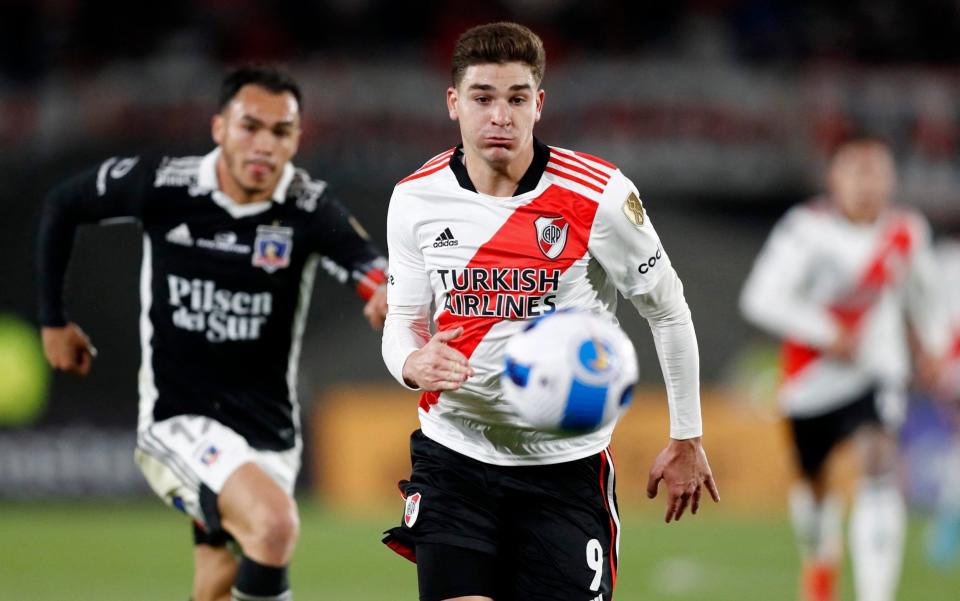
(755,307)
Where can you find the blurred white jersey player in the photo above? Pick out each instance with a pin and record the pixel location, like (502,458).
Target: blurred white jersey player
(944,540)
(843,279)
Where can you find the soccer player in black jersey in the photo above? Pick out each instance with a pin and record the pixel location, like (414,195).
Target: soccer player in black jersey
(231,241)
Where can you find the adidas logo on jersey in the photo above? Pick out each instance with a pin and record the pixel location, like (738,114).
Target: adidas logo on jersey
(445,238)
(180,235)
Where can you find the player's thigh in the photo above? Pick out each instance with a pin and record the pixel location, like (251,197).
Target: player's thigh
(446,572)
(564,544)
(187,460)
(251,503)
(816,437)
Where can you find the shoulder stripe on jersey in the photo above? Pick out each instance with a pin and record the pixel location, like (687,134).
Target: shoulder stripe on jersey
(574,179)
(590,157)
(440,157)
(561,163)
(423,173)
(432,166)
(576,158)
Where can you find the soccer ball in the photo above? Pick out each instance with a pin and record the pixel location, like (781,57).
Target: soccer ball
(570,371)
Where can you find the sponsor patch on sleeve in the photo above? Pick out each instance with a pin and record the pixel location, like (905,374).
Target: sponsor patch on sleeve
(633,210)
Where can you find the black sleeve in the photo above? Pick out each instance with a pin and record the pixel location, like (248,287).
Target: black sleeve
(113,190)
(349,254)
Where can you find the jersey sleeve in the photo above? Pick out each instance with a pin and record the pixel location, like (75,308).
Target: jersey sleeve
(349,254)
(773,296)
(409,282)
(925,299)
(624,241)
(113,191)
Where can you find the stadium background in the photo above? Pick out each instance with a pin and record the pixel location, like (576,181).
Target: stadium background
(721,111)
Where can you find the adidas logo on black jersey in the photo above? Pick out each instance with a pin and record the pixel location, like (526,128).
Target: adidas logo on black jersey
(180,235)
(445,238)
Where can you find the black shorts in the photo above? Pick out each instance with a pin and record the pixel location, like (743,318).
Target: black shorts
(815,437)
(537,533)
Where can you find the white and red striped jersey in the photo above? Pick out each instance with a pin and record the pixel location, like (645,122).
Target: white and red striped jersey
(818,273)
(948,262)
(573,235)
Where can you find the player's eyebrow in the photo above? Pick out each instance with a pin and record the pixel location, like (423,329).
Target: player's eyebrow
(487,87)
(260,123)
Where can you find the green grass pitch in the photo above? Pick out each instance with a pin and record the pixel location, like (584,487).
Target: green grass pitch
(141,551)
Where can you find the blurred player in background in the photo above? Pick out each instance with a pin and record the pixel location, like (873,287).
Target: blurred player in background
(837,279)
(231,241)
(944,538)
(497,231)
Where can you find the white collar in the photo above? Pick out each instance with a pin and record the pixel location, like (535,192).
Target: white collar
(207,180)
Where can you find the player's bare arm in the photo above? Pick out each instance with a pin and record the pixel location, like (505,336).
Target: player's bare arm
(684,469)
(68,349)
(437,366)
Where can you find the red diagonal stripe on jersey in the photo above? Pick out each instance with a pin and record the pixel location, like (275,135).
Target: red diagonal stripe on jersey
(515,245)
(573,178)
(423,173)
(888,263)
(572,167)
(572,157)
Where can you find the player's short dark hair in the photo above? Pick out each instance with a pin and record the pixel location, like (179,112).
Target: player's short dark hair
(269,77)
(502,42)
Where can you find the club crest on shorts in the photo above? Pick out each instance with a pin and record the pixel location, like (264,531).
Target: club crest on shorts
(551,235)
(411,510)
(210,455)
(272,247)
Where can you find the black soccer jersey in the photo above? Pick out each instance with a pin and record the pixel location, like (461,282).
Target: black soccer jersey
(224,286)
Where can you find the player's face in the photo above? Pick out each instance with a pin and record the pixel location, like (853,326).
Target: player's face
(258,133)
(497,106)
(862,180)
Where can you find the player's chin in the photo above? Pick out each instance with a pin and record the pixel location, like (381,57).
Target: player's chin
(500,153)
(257,185)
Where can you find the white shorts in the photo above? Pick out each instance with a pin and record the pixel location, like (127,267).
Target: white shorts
(181,455)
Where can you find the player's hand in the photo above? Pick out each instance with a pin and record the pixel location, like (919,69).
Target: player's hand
(684,470)
(844,347)
(68,349)
(376,308)
(437,366)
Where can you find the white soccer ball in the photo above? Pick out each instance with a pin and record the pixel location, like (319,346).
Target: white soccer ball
(570,371)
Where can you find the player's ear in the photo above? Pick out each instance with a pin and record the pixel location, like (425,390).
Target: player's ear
(452,103)
(540,96)
(218,126)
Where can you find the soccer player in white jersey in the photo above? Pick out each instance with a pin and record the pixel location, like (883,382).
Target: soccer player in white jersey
(944,536)
(836,280)
(493,233)
(231,243)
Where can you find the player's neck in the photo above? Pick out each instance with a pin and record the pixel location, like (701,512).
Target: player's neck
(497,179)
(236,192)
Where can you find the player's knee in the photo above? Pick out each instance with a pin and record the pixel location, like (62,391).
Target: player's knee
(878,452)
(277,527)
